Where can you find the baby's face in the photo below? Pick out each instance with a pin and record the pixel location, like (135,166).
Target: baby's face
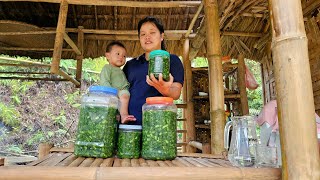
(117,56)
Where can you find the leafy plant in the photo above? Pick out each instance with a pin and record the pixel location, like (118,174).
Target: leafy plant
(73,99)
(61,119)
(10,116)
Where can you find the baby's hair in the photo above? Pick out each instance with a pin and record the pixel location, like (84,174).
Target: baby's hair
(114,43)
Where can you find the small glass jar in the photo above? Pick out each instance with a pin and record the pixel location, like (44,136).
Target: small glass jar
(159,133)
(159,62)
(97,127)
(129,141)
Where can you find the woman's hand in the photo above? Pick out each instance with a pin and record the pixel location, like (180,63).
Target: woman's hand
(166,88)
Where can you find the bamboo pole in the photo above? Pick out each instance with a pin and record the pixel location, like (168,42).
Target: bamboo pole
(216,89)
(80,57)
(195,17)
(62,20)
(1,161)
(294,92)
(30,49)
(167,4)
(44,149)
(242,85)
(189,115)
(68,77)
(195,144)
(244,34)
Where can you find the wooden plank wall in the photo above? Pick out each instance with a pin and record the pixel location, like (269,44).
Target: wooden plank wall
(268,79)
(313,34)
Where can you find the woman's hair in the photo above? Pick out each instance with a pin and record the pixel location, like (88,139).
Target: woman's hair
(156,22)
(114,43)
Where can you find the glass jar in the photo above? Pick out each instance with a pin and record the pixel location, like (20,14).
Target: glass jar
(97,126)
(129,141)
(159,62)
(159,132)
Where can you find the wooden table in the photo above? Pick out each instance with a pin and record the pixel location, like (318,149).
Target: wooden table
(65,165)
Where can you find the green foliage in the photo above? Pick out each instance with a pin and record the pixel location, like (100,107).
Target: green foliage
(73,99)
(15,149)
(61,120)
(36,138)
(18,89)
(199,62)
(9,115)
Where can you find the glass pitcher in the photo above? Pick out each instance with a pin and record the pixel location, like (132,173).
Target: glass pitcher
(242,150)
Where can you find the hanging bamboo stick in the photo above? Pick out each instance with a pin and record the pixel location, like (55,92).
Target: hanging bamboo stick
(191,134)
(300,157)
(216,94)
(62,20)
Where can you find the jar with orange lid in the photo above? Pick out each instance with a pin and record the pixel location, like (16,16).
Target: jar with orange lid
(159,126)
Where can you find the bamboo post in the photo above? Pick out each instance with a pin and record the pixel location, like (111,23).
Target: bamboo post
(242,85)
(1,161)
(189,115)
(216,89)
(294,92)
(61,26)
(44,149)
(80,57)
(206,148)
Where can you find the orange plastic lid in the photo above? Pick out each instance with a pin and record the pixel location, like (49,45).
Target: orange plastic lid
(159,100)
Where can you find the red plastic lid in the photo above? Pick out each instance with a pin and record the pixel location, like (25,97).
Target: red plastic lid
(159,100)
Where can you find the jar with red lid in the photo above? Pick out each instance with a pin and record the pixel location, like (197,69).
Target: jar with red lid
(159,129)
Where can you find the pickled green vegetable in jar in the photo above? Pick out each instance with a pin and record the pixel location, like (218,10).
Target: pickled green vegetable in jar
(97,127)
(159,136)
(129,141)
(159,62)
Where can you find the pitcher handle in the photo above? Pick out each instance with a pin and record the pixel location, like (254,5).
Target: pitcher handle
(226,134)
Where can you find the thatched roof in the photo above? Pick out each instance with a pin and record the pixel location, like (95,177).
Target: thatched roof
(244,24)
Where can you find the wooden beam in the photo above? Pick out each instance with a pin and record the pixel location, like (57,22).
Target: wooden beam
(30,49)
(216,89)
(80,57)
(68,77)
(62,20)
(71,43)
(300,155)
(34,79)
(23,65)
(244,34)
(242,85)
(195,144)
(189,113)
(27,33)
(44,149)
(131,37)
(194,20)
(140,4)
(21,72)
(132,173)
(24,61)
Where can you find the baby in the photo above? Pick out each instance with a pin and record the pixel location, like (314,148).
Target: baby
(112,76)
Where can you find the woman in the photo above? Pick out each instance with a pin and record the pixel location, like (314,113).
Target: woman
(151,35)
